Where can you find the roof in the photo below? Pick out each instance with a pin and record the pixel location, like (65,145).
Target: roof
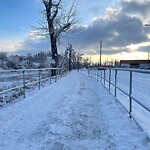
(135,61)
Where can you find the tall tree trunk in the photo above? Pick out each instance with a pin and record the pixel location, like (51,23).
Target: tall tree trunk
(70,62)
(53,40)
(54,49)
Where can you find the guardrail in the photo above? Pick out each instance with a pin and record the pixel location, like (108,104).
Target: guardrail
(21,80)
(111,81)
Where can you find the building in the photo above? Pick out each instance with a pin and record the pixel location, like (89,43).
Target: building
(135,63)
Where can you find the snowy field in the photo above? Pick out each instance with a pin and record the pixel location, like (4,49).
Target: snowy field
(14,79)
(10,79)
(76,113)
(140,90)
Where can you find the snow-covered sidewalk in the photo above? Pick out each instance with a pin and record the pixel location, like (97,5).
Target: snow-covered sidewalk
(76,113)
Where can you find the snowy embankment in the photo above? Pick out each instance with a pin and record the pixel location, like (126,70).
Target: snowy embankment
(140,91)
(76,113)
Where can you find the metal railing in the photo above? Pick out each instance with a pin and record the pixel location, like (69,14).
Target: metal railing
(21,80)
(111,81)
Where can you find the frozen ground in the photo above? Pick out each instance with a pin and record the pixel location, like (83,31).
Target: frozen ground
(140,90)
(76,113)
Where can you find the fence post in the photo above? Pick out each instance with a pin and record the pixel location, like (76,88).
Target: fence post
(115,83)
(56,76)
(130,93)
(97,74)
(23,84)
(104,77)
(50,76)
(59,73)
(109,78)
(39,80)
(101,75)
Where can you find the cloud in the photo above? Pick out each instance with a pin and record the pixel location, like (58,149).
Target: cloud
(10,45)
(34,44)
(119,30)
(115,29)
(144,48)
(136,6)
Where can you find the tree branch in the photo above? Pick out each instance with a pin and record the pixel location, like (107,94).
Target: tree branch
(63,29)
(56,11)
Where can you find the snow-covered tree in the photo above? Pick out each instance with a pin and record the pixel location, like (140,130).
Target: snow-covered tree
(70,50)
(57,21)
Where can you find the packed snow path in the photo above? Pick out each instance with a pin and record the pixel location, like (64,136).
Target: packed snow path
(76,113)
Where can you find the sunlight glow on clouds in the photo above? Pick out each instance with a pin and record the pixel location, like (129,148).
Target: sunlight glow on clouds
(10,45)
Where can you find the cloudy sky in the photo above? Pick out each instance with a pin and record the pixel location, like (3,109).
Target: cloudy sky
(118,23)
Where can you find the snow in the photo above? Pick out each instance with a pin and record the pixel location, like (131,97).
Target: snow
(76,113)
(140,91)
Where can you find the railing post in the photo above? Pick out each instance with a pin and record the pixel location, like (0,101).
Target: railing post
(39,79)
(104,77)
(50,74)
(115,83)
(59,73)
(101,75)
(130,93)
(109,78)
(97,74)
(56,76)
(24,84)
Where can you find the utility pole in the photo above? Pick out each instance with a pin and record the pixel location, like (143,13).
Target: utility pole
(100,54)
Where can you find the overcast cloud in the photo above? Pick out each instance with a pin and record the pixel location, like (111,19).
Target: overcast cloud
(137,7)
(118,29)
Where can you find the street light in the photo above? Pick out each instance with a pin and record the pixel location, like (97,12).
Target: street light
(147,25)
(79,55)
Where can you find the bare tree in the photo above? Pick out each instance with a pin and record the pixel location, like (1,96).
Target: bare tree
(70,50)
(86,62)
(57,21)
(29,57)
(3,56)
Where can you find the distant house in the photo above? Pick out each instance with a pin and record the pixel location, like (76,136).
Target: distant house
(135,63)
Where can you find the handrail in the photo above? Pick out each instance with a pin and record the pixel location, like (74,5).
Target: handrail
(20,70)
(96,75)
(126,93)
(37,76)
(127,69)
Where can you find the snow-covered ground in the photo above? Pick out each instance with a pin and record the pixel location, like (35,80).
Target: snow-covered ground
(140,90)
(76,113)
(11,79)
(14,79)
